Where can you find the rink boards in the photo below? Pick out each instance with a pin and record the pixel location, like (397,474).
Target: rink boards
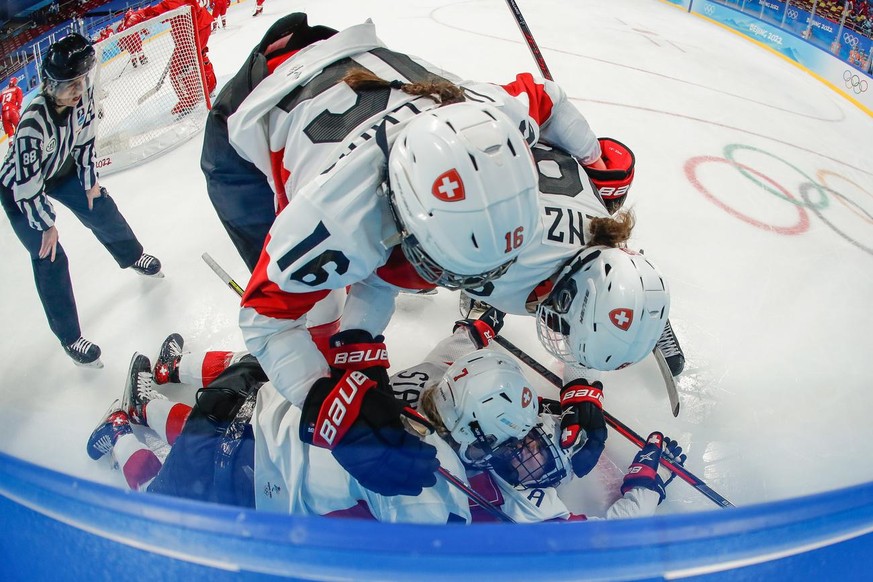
(58,527)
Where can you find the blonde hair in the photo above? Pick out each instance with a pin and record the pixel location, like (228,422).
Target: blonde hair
(442,91)
(427,407)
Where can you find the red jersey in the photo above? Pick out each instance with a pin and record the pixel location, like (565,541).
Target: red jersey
(10,99)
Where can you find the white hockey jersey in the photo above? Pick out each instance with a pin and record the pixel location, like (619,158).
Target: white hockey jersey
(313,138)
(568,201)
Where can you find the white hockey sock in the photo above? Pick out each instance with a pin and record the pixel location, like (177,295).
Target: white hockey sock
(167,418)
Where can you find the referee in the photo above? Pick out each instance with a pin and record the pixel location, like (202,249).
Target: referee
(53,156)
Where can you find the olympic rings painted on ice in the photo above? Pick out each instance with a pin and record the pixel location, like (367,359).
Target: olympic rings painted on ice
(781,193)
(842,199)
(691,173)
(854,82)
(804,189)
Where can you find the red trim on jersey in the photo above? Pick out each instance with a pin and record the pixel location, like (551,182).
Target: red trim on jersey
(280,176)
(140,467)
(540,104)
(269,300)
(574,517)
(275,61)
(214,363)
(176,420)
(321,335)
(400,272)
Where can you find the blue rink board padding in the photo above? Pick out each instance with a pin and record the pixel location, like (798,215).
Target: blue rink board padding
(56,527)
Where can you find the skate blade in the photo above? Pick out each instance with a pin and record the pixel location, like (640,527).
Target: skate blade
(95,364)
(158,275)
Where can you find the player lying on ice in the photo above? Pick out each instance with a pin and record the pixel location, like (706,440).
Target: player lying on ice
(488,431)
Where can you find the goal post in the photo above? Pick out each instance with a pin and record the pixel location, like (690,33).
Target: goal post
(149,89)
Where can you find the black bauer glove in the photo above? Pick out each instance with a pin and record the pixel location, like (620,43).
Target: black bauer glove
(582,418)
(645,471)
(359,421)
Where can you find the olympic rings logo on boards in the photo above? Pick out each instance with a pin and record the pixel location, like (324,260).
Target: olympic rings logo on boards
(815,195)
(792,14)
(850,39)
(855,82)
(709,9)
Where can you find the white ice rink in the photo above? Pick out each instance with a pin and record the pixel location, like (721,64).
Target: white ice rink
(770,294)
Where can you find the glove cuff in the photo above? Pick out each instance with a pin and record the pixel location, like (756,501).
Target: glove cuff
(579,392)
(480,332)
(356,349)
(331,408)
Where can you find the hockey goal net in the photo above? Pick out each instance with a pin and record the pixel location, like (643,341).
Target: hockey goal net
(149,89)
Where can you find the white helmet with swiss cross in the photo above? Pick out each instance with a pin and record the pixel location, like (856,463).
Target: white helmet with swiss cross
(464,190)
(484,400)
(606,311)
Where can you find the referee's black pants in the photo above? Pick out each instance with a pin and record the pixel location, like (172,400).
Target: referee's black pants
(53,278)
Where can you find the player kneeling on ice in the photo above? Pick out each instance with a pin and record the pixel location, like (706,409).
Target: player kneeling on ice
(52,156)
(481,405)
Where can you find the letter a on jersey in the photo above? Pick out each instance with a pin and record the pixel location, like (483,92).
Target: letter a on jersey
(622,318)
(448,187)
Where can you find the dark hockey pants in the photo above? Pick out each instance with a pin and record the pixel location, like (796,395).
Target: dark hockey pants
(213,459)
(53,278)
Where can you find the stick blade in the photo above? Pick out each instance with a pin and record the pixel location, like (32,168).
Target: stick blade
(669,381)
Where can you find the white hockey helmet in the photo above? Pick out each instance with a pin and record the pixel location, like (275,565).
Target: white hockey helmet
(485,401)
(464,192)
(606,311)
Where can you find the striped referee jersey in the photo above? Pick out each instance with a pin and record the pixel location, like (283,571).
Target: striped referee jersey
(43,142)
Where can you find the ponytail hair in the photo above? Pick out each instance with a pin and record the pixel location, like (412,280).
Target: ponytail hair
(613,231)
(441,91)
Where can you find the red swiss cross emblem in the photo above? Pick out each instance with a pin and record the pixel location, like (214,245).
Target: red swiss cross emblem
(448,187)
(526,397)
(622,318)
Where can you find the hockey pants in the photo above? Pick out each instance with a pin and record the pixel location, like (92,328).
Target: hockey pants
(213,458)
(53,278)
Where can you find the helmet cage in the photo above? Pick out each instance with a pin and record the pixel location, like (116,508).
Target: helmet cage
(553,328)
(431,272)
(531,462)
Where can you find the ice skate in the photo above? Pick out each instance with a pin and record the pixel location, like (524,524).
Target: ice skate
(84,353)
(113,425)
(167,365)
(148,266)
(672,351)
(138,390)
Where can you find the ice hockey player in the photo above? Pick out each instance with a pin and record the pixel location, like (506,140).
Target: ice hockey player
(598,306)
(53,156)
(481,405)
(132,43)
(440,215)
(186,60)
(219,9)
(10,107)
(259,8)
(104,34)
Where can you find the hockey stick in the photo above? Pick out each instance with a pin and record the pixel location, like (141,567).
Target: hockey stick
(222,274)
(472,494)
(619,426)
(669,381)
(531,43)
(157,87)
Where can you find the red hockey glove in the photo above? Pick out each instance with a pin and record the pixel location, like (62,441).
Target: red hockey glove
(356,418)
(614,182)
(645,471)
(583,427)
(356,349)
